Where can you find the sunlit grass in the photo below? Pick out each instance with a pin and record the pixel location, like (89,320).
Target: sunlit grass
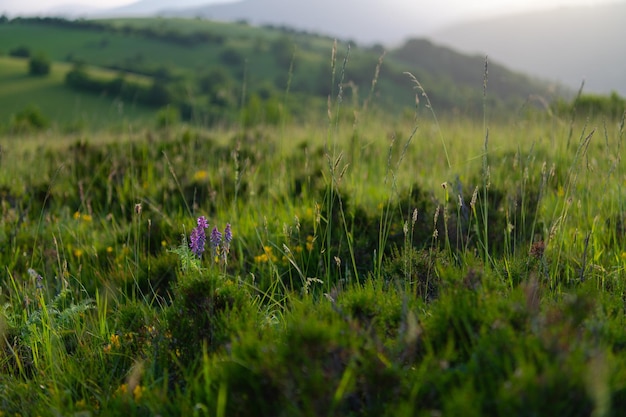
(361,278)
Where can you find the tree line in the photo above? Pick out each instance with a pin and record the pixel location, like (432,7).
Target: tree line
(155,94)
(589,105)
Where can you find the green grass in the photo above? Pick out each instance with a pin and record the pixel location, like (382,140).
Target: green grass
(63,107)
(379,265)
(355,283)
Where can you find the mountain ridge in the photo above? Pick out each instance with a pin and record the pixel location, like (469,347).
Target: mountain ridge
(156,7)
(551,44)
(349,19)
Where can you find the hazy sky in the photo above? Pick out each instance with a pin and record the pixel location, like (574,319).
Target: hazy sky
(442,9)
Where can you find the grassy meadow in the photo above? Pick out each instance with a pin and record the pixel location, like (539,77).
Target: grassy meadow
(70,111)
(375,268)
(350,263)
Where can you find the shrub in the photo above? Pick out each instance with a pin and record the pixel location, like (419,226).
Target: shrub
(167,117)
(590,105)
(283,51)
(215,80)
(611,106)
(232,57)
(319,364)
(39,65)
(20,52)
(157,95)
(205,309)
(30,118)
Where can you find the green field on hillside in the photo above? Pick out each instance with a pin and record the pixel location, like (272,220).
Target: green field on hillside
(216,72)
(106,48)
(64,108)
(63,44)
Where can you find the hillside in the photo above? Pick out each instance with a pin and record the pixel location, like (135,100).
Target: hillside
(568,44)
(208,69)
(364,21)
(152,7)
(465,75)
(61,107)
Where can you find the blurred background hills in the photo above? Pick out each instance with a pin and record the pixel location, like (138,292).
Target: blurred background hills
(184,49)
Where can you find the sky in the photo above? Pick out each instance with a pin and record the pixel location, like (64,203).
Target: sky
(442,9)
(16,7)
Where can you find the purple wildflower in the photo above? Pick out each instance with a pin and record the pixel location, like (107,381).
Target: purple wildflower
(198,237)
(202,222)
(228,235)
(216,239)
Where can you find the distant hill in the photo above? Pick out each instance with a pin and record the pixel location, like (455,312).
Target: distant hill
(564,46)
(458,74)
(368,21)
(567,44)
(208,70)
(72,10)
(154,7)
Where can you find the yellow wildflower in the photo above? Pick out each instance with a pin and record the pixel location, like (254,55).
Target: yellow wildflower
(115,340)
(121,390)
(259,259)
(309,243)
(266,256)
(200,175)
(138,392)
